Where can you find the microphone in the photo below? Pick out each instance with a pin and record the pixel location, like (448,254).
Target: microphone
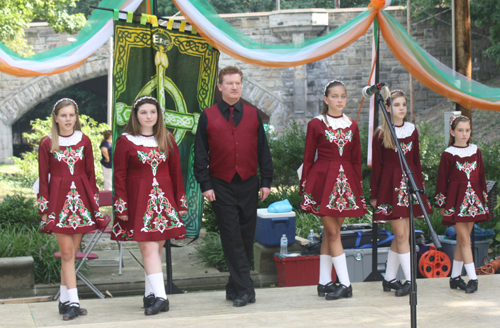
(370,91)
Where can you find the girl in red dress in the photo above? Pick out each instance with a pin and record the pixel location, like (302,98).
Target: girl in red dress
(331,184)
(67,196)
(389,196)
(462,196)
(149,196)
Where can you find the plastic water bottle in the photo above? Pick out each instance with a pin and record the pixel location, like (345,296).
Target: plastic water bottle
(311,236)
(284,245)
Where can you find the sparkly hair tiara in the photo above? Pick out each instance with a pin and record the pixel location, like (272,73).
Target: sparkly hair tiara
(61,100)
(453,118)
(397,90)
(332,82)
(144,97)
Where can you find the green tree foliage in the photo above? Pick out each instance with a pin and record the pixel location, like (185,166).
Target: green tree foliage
(29,162)
(15,16)
(167,8)
(482,12)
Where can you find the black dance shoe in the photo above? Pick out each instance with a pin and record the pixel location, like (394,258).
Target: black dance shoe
(243,300)
(471,286)
(393,284)
(328,288)
(457,282)
(72,311)
(405,290)
(231,296)
(340,291)
(147,301)
(159,305)
(63,307)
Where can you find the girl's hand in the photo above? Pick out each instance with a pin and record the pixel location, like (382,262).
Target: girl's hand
(373,203)
(442,212)
(182,213)
(44,217)
(123,217)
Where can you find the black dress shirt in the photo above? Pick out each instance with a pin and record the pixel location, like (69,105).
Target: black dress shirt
(201,148)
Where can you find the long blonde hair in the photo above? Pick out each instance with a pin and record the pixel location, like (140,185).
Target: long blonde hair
(54,133)
(386,136)
(162,135)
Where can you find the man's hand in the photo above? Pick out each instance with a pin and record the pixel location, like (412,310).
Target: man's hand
(264,192)
(210,195)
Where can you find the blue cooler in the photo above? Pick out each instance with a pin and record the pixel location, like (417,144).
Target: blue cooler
(271,227)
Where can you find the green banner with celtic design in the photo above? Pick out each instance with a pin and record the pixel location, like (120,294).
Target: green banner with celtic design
(180,70)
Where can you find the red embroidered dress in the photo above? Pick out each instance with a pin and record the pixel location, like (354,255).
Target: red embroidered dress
(331,184)
(67,188)
(149,189)
(461,186)
(388,185)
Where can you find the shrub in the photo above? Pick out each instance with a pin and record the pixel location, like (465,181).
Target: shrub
(287,152)
(18,211)
(305,222)
(211,252)
(29,161)
(28,241)
(209,221)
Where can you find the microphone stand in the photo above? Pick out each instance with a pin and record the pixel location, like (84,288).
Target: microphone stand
(413,190)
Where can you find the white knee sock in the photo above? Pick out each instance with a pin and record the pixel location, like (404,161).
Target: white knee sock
(157,284)
(471,270)
(405,261)
(340,264)
(147,290)
(456,269)
(73,296)
(63,294)
(325,269)
(392,266)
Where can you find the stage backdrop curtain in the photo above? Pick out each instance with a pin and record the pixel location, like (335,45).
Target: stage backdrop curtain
(180,70)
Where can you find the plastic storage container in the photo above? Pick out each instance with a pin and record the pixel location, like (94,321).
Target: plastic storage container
(480,252)
(298,271)
(359,263)
(271,226)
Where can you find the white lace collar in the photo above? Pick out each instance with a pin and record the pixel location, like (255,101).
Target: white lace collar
(342,122)
(141,140)
(405,130)
(462,152)
(72,140)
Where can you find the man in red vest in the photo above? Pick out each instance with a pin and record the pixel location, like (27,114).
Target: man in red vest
(230,144)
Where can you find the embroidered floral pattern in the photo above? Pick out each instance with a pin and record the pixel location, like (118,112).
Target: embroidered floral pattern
(403,194)
(120,205)
(303,185)
(43,203)
(342,197)
(384,209)
(449,212)
(124,234)
(153,219)
(154,158)
(70,157)
(339,137)
(74,214)
(96,198)
(440,199)
(467,168)
(309,204)
(184,201)
(406,148)
(471,205)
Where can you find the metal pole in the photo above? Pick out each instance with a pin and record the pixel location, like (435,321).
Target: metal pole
(412,91)
(110,83)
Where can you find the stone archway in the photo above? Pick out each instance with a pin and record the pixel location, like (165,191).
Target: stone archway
(28,95)
(266,101)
